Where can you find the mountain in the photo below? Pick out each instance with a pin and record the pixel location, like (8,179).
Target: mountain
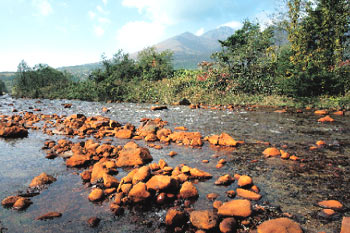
(189,49)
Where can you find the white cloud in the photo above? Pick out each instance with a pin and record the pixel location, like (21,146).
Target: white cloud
(137,35)
(103,20)
(43,6)
(92,14)
(233,24)
(105,2)
(264,20)
(101,10)
(99,31)
(199,32)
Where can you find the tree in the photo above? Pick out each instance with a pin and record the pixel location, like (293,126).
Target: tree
(248,55)
(155,65)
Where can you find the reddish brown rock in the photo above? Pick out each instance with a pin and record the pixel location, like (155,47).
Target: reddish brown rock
(280,225)
(77,160)
(230,193)
(197,173)
(331,204)
(271,152)
(110,181)
(228,225)
(172,153)
(98,170)
(151,137)
(175,218)
(96,195)
(142,174)
(155,108)
(212,196)
(41,180)
(236,208)
(187,138)
(12,131)
(345,226)
(321,143)
(226,140)
(115,208)
(245,181)
(248,194)
(93,221)
(224,180)
(161,183)
(321,112)
(132,155)
(188,190)
(50,215)
(326,213)
(204,219)
(85,176)
(338,113)
(139,193)
(183,128)
(21,203)
(9,201)
(326,119)
(217,204)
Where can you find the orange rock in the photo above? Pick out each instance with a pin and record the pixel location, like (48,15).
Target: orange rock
(163,133)
(123,134)
(172,153)
(217,204)
(142,174)
(98,170)
(238,208)
(321,143)
(139,193)
(109,191)
(175,218)
(245,181)
(284,155)
(248,194)
(281,111)
(197,173)
(271,151)
(226,140)
(151,137)
(110,181)
(183,128)
(327,212)
(294,158)
(326,119)
(104,109)
(205,161)
(115,208)
(255,188)
(96,195)
(345,226)
(213,139)
(187,138)
(313,148)
(331,204)
(204,219)
(49,215)
(321,112)
(162,163)
(230,193)
(224,180)
(41,180)
(188,190)
(21,203)
(228,225)
(161,183)
(77,160)
(9,201)
(338,113)
(12,131)
(132,155)
(280,225)
(219,165)
(236,176)
(212,196)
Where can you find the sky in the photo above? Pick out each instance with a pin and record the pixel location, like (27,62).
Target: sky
(72,32)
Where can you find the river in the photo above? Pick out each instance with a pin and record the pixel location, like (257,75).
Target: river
(293,187)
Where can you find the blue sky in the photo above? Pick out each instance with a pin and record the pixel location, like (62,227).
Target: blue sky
(72,32)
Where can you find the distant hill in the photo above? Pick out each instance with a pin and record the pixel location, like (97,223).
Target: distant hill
(189,49)
(7,78)
(81,71)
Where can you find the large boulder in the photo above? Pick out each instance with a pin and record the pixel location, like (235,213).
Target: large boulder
(204,219)
(188,190)
(236,208)
(280,225)
(133,155)
(139,193)
(77,160)
(41,180)
(175,218)
(161,183)
(12,131)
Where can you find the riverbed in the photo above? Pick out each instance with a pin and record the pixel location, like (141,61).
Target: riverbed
(291,187)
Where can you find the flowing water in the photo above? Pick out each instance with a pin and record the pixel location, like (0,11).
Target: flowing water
(293,187)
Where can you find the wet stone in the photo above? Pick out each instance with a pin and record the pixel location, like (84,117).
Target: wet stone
(93,221)
(204,219)
(50,215)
